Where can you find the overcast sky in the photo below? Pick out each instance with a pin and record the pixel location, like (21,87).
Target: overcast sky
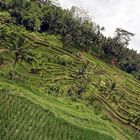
(112,14)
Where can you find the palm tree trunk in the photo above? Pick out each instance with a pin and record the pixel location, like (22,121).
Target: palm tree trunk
(14,66)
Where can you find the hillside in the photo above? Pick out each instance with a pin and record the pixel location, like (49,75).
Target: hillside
(63,94)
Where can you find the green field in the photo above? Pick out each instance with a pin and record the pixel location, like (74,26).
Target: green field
(64,95)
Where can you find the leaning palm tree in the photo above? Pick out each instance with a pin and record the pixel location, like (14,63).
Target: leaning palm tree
(20,52)
(107,89)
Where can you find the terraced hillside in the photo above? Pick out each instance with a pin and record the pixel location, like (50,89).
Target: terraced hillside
(62,93)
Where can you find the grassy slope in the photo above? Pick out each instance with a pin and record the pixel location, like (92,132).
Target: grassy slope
(37,107)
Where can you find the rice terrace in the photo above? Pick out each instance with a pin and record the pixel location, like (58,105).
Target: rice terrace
(55,85)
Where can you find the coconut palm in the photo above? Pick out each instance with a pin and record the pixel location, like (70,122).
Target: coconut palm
(20,52)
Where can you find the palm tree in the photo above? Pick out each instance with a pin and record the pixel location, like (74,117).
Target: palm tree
(107,89)
(20,52)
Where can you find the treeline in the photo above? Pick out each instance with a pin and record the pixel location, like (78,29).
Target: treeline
(76,31)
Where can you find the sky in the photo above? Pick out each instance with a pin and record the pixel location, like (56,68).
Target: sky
(112,14)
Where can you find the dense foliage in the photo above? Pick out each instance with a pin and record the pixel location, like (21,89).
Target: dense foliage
(76,31)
